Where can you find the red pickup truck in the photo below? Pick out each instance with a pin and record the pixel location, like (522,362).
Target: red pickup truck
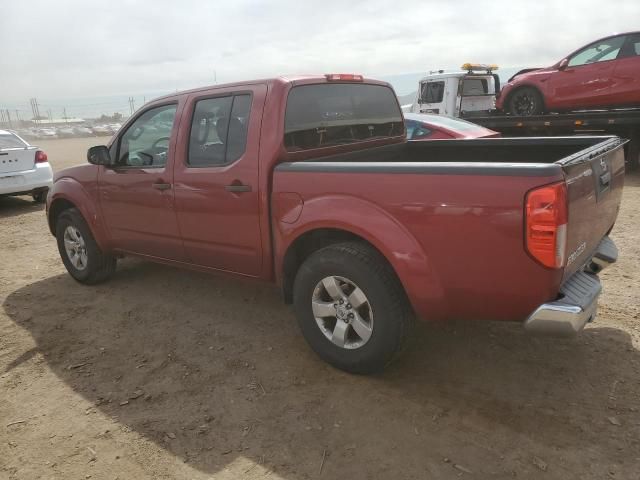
(309,182)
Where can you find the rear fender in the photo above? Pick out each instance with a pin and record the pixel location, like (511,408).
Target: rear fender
(378,227)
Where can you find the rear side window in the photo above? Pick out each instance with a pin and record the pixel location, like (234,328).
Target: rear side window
(339,114)
(432,92)
(219,130)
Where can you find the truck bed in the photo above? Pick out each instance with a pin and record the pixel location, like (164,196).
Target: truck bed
(531,150)
(463,202)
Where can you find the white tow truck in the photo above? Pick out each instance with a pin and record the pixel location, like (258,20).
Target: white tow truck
(471,91)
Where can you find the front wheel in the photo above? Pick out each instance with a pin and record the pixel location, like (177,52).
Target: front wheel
(526,102)
(351,307)
(79,251)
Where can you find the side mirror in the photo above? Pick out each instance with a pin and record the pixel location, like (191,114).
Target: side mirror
(99,155)
(563,64)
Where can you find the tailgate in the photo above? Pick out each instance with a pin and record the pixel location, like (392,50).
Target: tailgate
(594,177)
(17,159)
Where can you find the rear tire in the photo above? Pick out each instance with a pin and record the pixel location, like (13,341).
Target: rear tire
(79,251)
(526,101)
(380,319)
(40,196)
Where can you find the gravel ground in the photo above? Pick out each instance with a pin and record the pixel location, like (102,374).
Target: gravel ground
(169,374)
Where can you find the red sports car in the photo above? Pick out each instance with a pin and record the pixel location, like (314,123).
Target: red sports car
(603,74)
(427,126)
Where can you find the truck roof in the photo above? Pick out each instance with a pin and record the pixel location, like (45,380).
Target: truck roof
(437,76)
(284,79)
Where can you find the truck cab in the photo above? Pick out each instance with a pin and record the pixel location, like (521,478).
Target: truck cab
(471,91)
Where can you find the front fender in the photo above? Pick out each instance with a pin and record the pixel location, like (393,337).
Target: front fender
(67,189)
(378,227)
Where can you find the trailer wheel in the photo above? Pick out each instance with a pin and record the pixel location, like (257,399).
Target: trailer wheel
(525,102)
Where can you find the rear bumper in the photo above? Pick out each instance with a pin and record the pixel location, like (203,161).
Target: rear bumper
(41,177)
(578,302)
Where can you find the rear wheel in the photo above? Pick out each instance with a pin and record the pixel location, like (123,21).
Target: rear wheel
(79,251)
(526,102)
(40,196)
(351,307)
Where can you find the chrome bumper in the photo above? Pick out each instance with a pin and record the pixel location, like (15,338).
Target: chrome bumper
(578,302)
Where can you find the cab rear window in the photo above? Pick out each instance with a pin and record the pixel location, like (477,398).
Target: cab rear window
(339,114)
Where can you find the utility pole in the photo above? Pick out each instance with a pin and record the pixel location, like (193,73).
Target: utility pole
(35,109)
(64,114)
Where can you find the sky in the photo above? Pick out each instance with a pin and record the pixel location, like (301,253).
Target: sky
(73,49)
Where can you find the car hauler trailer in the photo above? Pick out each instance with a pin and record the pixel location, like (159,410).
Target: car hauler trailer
(624,123)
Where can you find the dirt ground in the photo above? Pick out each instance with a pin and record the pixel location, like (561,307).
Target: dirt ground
(169,374)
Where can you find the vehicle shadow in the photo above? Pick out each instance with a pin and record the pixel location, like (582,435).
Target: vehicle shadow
(214,370)
(12,206)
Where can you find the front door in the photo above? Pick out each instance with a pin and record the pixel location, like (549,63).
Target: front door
(588,77)
(136,194)
(216,180)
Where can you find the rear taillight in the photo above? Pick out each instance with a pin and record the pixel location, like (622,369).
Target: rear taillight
(41,157)
(546,224)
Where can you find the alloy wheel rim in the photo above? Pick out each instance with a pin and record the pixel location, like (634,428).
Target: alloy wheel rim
(75,247)
(525,104)
(342,312)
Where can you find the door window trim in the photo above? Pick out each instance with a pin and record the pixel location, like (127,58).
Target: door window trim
(234,94)
(131,122)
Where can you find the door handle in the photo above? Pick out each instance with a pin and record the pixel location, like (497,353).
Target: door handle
(161,186)
(237,188)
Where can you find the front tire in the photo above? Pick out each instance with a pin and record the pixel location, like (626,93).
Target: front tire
(526,102)
(351,307)
(79,251)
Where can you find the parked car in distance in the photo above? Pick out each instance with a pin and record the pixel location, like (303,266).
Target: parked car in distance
(47,133)
(428,126)
(82,132)
(310,183)
(24,169)
(65,132)
(603,74)
(101,130)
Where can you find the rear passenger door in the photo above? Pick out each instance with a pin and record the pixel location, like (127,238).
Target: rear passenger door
(626,89)
(216,180)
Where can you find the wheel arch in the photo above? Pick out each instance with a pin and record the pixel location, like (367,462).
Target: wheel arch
(385,235)
(68,193)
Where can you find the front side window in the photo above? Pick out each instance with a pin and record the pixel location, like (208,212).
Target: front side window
(601,51)
(339,114)
(146,142)
(219,130)
(432,92)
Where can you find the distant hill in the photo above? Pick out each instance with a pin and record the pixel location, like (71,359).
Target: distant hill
(408,98)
